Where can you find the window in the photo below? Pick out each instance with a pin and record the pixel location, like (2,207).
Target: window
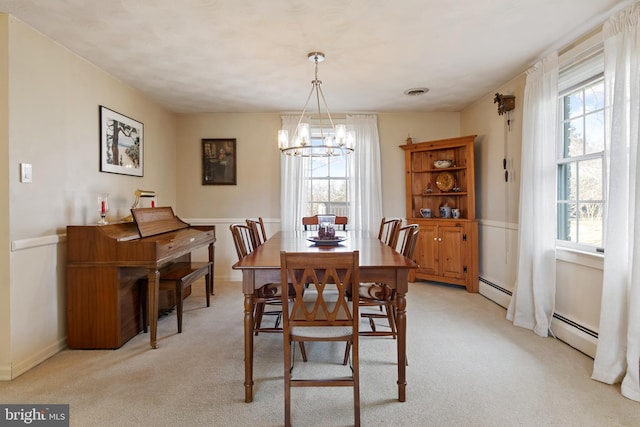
(328,183)
(581,167)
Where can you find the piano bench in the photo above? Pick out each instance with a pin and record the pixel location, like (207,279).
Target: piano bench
(176,277)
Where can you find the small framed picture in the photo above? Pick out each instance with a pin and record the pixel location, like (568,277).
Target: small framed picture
(219,161)
(121,144)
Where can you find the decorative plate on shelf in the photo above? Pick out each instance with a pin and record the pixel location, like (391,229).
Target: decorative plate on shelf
(326,242)
(445,181)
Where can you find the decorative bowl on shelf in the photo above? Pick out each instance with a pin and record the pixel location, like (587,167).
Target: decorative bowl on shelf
(440,164)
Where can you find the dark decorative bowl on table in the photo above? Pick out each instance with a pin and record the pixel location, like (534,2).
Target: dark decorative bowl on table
(326,233)
(326,237)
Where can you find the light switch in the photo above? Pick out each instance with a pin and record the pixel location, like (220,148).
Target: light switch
(26,172)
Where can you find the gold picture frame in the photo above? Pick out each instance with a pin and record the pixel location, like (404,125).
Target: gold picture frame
(219,161)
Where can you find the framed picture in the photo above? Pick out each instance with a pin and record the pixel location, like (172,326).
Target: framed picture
(121,144)
(219,161)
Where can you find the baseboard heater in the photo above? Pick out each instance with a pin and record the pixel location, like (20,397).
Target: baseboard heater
(575,325)
(498,287)
(556,316)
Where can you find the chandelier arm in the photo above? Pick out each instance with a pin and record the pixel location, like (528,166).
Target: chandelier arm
(326,107)
(316,84)
(304,110)
(319,94)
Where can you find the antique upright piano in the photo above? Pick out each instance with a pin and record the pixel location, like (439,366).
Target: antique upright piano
(104,265)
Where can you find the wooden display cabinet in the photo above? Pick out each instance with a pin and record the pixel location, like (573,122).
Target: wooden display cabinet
(447,249)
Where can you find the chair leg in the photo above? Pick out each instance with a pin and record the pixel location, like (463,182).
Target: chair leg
(355,368)
(388,313)
(372,324)
(258,317)
(278,320)
(347,350)
(179,298)
(287,381)
(391,316)
(303,351)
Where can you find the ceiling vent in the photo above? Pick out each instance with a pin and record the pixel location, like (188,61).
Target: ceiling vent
(416,91)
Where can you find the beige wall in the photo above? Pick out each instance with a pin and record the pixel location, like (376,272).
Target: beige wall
(5,300)
(54,101)
(257,192)
(496,199)
(53,124)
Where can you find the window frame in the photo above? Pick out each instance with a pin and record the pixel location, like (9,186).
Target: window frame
(329,205)
(563,160)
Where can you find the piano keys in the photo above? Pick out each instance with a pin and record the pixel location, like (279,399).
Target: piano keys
(104,264)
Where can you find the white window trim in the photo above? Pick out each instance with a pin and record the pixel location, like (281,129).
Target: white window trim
(570,77)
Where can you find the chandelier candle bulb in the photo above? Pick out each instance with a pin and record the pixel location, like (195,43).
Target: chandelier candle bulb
(303,134)
(283,139)
(341,134)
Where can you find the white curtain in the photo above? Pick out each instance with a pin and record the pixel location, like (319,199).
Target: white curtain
(292,173)
(533,300)
(365,184)
(618,350)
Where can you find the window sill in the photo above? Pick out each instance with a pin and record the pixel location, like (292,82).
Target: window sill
(574,256)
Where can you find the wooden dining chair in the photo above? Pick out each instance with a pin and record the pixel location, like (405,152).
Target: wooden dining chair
(381,295)
(242,239)
(323,318)
(388,232)
(258,233)
(266,295)
(311,222)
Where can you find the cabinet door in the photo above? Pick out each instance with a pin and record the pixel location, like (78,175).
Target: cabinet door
(427,249)
(452,252)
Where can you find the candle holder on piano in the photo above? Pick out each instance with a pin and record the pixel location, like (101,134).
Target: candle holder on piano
(103,207)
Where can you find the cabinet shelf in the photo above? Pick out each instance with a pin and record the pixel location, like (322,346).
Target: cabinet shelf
(440,220)
(440,194)
(437,170)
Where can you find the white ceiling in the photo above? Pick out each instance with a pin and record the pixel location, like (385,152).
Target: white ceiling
(251,55)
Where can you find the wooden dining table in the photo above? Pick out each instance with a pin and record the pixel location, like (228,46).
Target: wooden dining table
(378,263)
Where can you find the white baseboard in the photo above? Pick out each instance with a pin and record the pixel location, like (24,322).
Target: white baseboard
(5,373)
(576,338)
(8,373)
(495,295)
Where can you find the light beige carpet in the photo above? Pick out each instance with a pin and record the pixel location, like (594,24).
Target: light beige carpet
(468,366)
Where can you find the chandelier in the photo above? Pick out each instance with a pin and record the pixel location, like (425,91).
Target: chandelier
(336,142)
